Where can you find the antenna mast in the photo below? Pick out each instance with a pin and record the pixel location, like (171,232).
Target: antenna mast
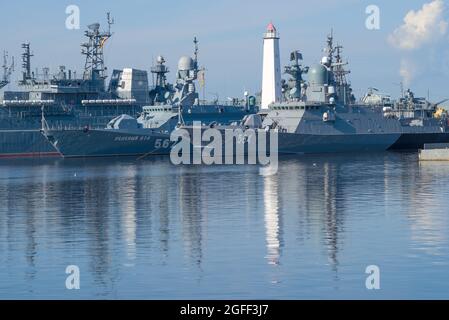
(26,63)
(195,41)
(95,68)
(199,73)
(7,70)
(330,47)
(338,67)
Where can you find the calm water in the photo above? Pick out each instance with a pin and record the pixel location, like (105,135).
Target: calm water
(147,229)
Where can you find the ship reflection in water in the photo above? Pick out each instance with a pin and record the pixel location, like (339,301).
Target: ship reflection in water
(147,229)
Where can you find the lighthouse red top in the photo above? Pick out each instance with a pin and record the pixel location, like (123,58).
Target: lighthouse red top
(271,27)
(271,32)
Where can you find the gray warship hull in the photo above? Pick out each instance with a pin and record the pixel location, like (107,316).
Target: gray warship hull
(309,143)
(246,141)
(25,144)
(81,143)
(21,137)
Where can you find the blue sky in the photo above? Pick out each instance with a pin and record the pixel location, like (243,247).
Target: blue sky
(230,35)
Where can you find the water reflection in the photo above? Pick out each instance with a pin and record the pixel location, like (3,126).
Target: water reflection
(191,211)
(97,208)
(164,218)
(312,189)
(332,219)
(183,229)
(429,223)
(31,246)
(272,219)
(126,191)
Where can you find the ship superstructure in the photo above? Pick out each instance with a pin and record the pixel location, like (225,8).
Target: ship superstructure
(66,98)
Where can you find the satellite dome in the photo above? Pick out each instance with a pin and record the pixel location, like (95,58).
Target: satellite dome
(160,59)
(185,64)
(318,75)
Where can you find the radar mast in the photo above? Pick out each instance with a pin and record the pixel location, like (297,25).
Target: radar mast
(26,63)
(94,68)
(334,61)
(160,70)
(296,85)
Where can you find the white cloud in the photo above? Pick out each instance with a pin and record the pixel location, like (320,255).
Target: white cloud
(421,27)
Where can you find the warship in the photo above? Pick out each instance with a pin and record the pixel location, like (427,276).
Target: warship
(67,100)
(150,132)
(321,115)
(182,98)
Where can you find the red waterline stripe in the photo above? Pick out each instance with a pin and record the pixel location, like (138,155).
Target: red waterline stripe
(30,155)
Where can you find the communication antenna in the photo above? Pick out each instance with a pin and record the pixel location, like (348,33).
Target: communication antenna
(195,41)
(110,21)
(8,69)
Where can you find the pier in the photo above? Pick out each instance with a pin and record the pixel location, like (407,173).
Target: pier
(435,152)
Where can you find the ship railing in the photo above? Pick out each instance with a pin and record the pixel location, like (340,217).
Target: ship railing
(27,103)
(108,102)
(75,127)
(235,103)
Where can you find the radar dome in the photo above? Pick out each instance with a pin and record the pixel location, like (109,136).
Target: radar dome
(94,26)
(160,59)
(185,64)
(318,75)
(325,61)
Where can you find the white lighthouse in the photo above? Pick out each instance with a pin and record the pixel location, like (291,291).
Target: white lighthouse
(271,78)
